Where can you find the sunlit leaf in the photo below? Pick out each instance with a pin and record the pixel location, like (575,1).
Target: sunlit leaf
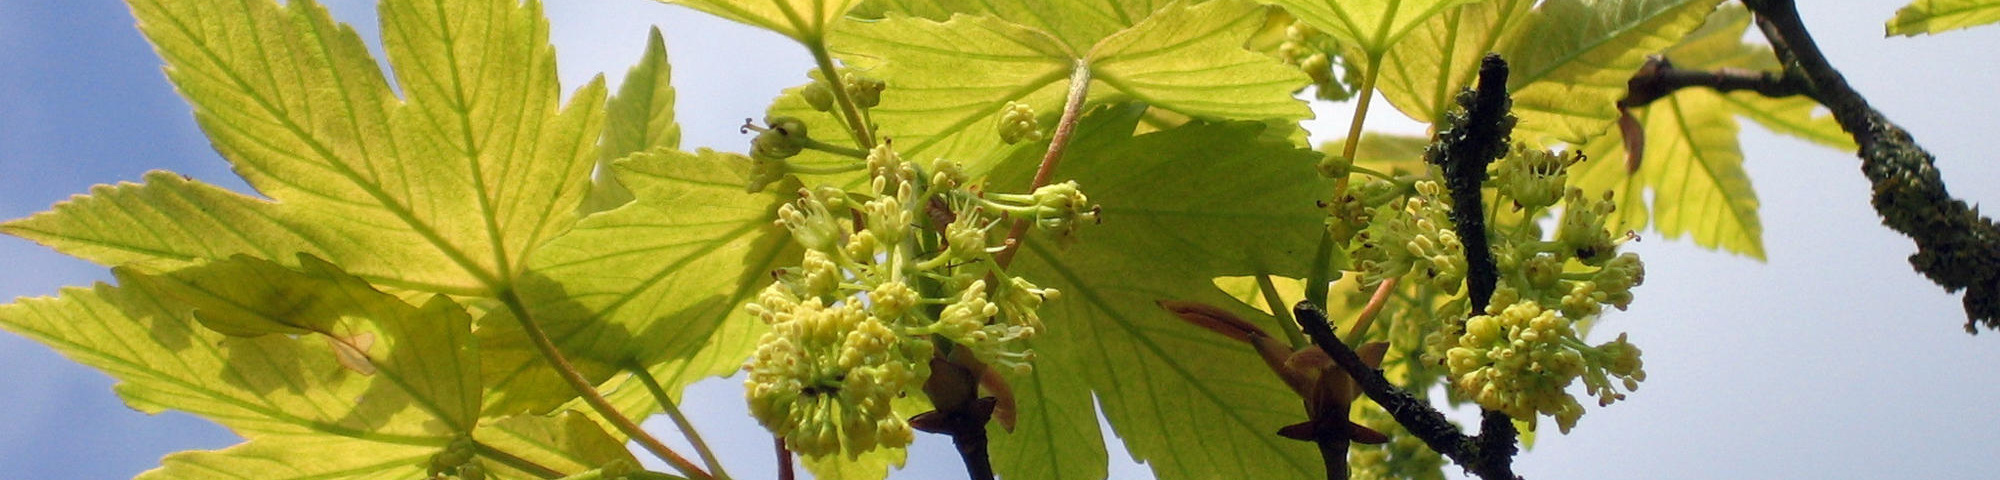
(1570,68)
(1371,25)
(166,223)
(1421,74)
(298,458)
(872,465)
(639,118)
(1076,23)
(803,20)
(659,281)
(566,442)
(1935,16)
(1160,381)
(446,189)
(1694,169)
(948,80)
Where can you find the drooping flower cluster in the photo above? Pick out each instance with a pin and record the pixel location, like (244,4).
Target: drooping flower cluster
(1524,350)
(888,271)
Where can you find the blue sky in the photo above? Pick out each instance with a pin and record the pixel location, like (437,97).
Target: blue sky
(1830,360)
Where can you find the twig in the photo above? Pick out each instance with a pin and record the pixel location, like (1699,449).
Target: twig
(1957,248)
(1416,416)
(785,470)
(1659,78)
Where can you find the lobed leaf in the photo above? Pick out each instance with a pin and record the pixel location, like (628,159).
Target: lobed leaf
(1242,207)
(446,190)
(1936,16)
(1567,80)
(803,20)
(657,282)
(1421,74)
(948,80)
(309,457)
(639,118)
(1370,25)
(168,222)
(1077,24)
(1694,169)
(566,442)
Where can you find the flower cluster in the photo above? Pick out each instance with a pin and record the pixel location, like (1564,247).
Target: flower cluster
(1522,352)
(887,272)
(1413,235)
(1017,124)
(1309,49)
(1404,457)
(1519,358)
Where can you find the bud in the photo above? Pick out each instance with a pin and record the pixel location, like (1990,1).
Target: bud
(818,96)
(866,92)
(1017,124)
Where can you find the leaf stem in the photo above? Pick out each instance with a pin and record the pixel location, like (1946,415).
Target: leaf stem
(1367,317)
(589,392)
(1079,90)
(1320,280)
(833,149)
(1319,277)
(680,421)
(1277,305)
(785,470)
(511,460)
(855,124)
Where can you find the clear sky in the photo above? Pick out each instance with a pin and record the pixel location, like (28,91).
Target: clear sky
(1831,360)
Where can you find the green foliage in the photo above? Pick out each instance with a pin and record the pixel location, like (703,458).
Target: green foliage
(1935,16)
(463,278)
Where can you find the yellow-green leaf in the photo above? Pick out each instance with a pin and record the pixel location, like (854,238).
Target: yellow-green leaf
(657,282)
(948,80)
(1160,381)
(1694,169)
(1076,23)
(446,189)
(1190,59)
(1570,67)
(1423,72)
(1935,16)
(299,458)
(566,442)
(803,20)
(1371,25)
(871,465)
(167,223)
(639,118)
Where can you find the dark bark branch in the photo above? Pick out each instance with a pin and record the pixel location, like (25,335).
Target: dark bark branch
(1659,78)
(1413,413)
(1474,139)
(1957,248)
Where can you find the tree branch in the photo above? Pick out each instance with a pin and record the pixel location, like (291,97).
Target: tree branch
(1413,413)
(1659,78)
(1957,248)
